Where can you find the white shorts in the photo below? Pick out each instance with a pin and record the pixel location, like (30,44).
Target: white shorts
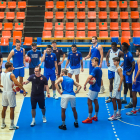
(92,95)
(74,71)
(68,98)
(116,94)
(8,99)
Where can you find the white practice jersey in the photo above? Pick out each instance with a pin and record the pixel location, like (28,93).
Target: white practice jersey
(111,56)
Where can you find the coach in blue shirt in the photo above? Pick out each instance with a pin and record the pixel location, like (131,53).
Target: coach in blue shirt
(34,54)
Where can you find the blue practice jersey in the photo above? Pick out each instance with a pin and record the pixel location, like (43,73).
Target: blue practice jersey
(136,70)
(97,73)
(34,58)
(18,58)
(67,85)
(75,59)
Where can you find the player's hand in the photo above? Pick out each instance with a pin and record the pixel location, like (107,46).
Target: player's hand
(56,73)
(60,63)
(128,73)
(134,82)
(119,89)
(108,64)
(85,58)
(65,68)
(48,95)
(82,70)
(24,64)
(100,65)
(24,93)
(85,87)
(39,65)
(45,51)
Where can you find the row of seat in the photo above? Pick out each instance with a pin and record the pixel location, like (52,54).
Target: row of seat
(11,15)
(92,15)
(70,34)
(7,34)
(90,4)
(91,26)
(12,5)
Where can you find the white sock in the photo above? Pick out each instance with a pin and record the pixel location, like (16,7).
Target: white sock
(131,100)
(124,97)
(90,115)
(96,114)
(63,122)
(119,111)
(134,108)
(115,112)
(3,120)
(76,121)
(43,116)
(12,122)
(110,94)
(33,120)
(54,92)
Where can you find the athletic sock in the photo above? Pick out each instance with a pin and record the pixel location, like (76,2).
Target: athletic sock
(96,114)
(90,115)
(134,108)
(63,122)
(54,92)
(110,94)
(131,100)
(119,111)
(115,112)
(76,121)
(3,120)
(124,97)
(43,116)
(33,120)
(12,122)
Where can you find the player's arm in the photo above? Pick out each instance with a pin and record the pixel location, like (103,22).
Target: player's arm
(10,55)
(107,58)
(89,54)
(1,61)
(101,53)
(56,67)
(26,82)
(87,81)
(24,57)
(47,89)
(62,59)
(43,57)
(78,87)
(13,78)
(133,67)
(121,54)
(59,80)
(121,78)
(67,62)
(82,65)
(138,72)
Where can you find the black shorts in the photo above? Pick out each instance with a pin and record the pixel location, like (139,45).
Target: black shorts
(38,99)
(31,71)
(59,69)
(0,69)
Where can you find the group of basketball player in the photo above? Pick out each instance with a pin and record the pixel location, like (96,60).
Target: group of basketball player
(52,67)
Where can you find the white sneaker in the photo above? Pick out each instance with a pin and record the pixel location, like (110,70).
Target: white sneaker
(55,97)
(112,118)
(32,124)
(102,90)
(118,116)
(3,126)
(13,127)
(44,120)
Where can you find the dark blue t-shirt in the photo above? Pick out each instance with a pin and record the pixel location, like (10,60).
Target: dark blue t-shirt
(58,53)
(38,84)
(34,58)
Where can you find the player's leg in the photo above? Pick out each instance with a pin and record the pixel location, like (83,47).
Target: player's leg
(47,77)
(76,72)
(21,75)
(118,98)
(31,71)
(3,114)
(54,90)
(0,77)
(123,101)
(102,87)
(59,71)
(95,118)
(77,78)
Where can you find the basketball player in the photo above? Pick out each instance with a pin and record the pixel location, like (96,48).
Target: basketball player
(96,50)
(112,53)
(68,95)
(1,61)
(128,68)
(75,58)
(39,82)
(93,90)
(58,53)
(35,55)
(18,55)
(8,96)
(136,84)
(50,65)
(117,90)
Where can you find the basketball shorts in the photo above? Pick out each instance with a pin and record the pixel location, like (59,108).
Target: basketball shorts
(92,95)
(136,87)
(66,98)
(111,74)
(18,72)
(31,71)
(50,75)
(74,71)
(128,78)
(59,69)
(37,99)
(116,94)
(1,69)
(8,99)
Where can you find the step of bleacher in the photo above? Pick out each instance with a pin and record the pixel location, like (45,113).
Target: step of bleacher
(33,23)
(36,2)
(33,7)
(35,18)
(31,34)
(34,12)
(35,29)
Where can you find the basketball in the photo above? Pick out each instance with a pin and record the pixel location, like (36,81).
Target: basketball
(28,59)
(15,88)
(92,81)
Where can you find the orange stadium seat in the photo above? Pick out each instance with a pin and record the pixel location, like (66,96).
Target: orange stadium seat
(70,15)
(69,25)
(91,15)
(81,15)
(125,39)
(114,26)
(0,26)
(17,33)
(1,15)
(10,15)
(22,4)
(134,15)
(46,34)
(102,4)
(102,15)
(8,26)
(91,25)
(2,5)
(80,34)
(114,34)
(19,26)
(59,15)
(59,26)
(103,34)
(28,41)
(125,26)
(91,4)
(112,4)
(48,15)
(49,4)
(123,15)
(11,5)
(123,4)
(6,34)
(4,41)
(20,15)
(126,34)
(58,34)
(135,26)
(136,34)
(70,4)
(14,40)
(80,25)
(133,4)
(113,15)
(60,4)
(80,4)
(69,34)
(92,33)
(102,25)
(48,26)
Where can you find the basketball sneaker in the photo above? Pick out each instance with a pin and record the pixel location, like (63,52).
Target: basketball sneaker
(55,97)
(132,113)
(1,91)
(118,116)
(138,110)
(3,126)
(32,124)
(102,90)
(76,125)
(88,120)
(109,100)
(63,127)
(113,117)
(13,127)
(123,101)
(130,105)
(94,118)
(44,120)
